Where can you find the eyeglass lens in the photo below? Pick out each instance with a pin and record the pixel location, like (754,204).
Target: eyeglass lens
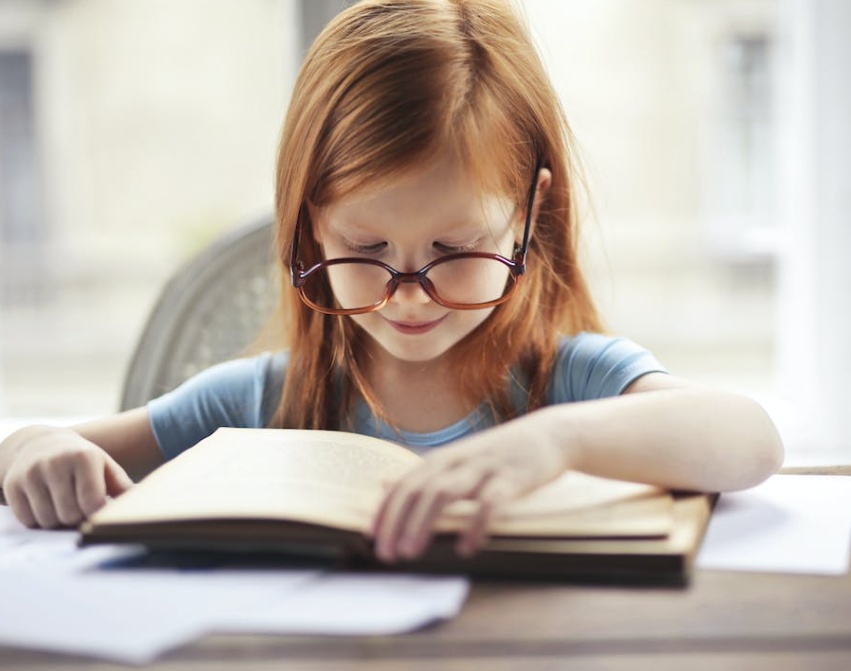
(465,281)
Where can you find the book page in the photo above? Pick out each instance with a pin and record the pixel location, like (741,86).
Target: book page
(338,479)
(573,491)
(648,517)
(577,504)
(330,478)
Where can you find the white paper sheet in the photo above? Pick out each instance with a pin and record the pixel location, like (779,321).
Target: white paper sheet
(381,605)
(788,524)
(57,597)
(49,551)
(130,619)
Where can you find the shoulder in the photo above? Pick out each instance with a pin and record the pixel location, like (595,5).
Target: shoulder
(595,365)
(237,377)
(240,393)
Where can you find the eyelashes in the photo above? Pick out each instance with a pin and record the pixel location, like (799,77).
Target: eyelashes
(358,248)
(441,247)
(457,249)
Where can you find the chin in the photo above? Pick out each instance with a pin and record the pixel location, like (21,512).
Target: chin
(414,352)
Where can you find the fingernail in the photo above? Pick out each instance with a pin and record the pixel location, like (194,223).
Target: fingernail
(465,549)
(409,548)
(383,553)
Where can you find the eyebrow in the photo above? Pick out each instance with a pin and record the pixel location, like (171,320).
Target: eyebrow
(480,220)
(465,229)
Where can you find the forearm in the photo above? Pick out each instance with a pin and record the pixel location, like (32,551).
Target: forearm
(685,438)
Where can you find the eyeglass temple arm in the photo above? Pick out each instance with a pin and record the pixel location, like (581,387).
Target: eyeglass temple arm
(521,254)
(295,264)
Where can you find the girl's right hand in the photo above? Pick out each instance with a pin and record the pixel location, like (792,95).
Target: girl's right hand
(57,478)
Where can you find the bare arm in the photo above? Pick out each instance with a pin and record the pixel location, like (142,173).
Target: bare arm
(58,476)
(669,432)
(127,437)
(662,431)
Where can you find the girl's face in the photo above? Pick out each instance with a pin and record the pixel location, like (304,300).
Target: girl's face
(407,224)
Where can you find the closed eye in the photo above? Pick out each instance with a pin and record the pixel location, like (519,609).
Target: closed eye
(358,248)
(444,248)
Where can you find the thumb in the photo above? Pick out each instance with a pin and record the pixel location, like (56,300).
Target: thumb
(117,480)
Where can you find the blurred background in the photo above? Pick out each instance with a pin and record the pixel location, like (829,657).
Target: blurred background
(714,136)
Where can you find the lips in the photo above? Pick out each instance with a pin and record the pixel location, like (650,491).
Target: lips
(414,327)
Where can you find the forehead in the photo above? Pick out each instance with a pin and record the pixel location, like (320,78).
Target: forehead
(441,193)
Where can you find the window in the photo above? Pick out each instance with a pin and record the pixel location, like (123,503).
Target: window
(133,134)
(714,134)
(716,142)
(23,228)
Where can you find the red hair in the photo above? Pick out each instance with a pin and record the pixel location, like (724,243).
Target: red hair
(388,86)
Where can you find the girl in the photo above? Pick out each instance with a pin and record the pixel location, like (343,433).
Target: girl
(426,215)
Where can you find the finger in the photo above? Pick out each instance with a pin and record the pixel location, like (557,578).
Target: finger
(393,515)
(20,505)
(494,492)
(393,488)
(41,504)
(63,494)
(391,491)
(117,480)
(378,521)
(91,486)
(436,496)
(395,496)
(395,510)
(417,530)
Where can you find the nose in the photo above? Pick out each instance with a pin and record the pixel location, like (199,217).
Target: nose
(409,290)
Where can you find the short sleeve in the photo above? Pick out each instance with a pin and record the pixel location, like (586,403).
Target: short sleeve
(240,393)
(591,366)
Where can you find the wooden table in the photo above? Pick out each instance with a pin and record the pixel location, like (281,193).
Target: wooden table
(723,620)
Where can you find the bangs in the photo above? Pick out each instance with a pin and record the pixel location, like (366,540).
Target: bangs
(416,99)
(494,154)
(497,153)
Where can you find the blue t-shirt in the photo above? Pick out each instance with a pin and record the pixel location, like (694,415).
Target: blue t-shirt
(245,393)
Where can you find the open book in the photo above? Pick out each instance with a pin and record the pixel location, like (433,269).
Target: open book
(278,490)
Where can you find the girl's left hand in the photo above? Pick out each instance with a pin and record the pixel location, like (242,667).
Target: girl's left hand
(490,468)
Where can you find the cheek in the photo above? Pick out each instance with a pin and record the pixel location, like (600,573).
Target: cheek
(470,281)
(467,321)
(357,285)
(365,320)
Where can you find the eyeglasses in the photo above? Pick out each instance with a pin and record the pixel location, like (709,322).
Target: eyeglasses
(465,281)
